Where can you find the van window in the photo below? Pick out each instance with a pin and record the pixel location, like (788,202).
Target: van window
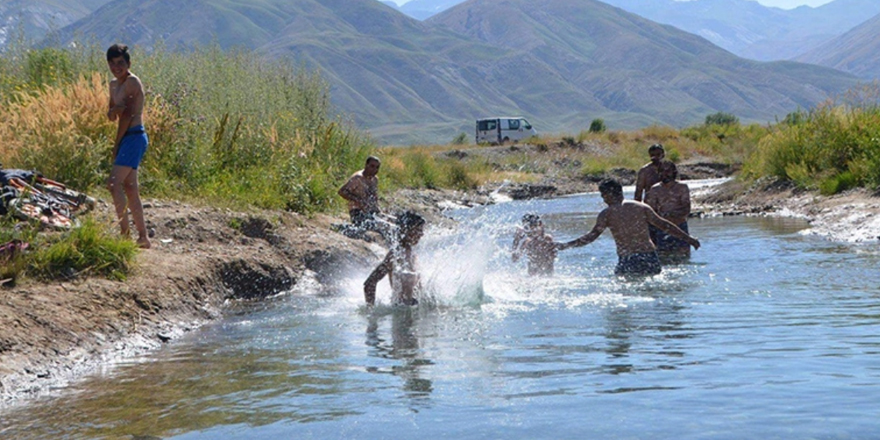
(486,125)
(514,124)
(526,125)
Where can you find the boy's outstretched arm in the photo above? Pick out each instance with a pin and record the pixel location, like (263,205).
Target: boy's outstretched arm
(516,250)
(671,229)
(384,268)
(589,237)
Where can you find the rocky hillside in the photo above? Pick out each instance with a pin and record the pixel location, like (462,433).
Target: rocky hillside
(561,63)
(34,19)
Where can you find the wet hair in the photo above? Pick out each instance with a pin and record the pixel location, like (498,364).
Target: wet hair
(372,159)
(610,186)
(118,50)
(656,147)
(531,219)
(669,163)
(409,220)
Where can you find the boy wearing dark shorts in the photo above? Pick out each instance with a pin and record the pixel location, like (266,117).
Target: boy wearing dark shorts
(629,221)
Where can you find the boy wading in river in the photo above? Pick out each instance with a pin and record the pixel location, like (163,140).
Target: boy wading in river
(399,264)
(537,245)
(127,106)
(628,221)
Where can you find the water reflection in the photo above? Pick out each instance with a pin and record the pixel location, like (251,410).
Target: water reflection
(404,346)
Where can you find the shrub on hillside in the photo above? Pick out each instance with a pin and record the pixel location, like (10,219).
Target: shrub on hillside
(721,118)
(597,126)
(461,139)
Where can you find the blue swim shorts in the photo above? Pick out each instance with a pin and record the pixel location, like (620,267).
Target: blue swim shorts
(132,147)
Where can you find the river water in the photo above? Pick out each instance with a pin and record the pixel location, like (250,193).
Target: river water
(765,333)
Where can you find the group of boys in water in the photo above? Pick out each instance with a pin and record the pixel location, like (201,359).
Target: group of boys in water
(647,233)
(643,232)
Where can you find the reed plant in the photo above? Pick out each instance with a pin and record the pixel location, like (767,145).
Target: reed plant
(832,148)
(225,126)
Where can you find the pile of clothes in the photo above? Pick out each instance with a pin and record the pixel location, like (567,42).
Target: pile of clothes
(27,195)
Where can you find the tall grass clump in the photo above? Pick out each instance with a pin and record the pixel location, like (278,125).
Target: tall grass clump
(227,126)
(89,248)
(92,248)
(833,147)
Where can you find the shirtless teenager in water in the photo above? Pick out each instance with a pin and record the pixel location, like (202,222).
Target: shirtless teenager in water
(399,264)
(628,221)
(649,174)
(127,106)
(537,245)
(671,200)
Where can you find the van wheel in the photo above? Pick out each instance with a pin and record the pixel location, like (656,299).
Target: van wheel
(505,140)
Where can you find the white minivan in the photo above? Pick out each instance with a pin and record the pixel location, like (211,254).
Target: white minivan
(499,130)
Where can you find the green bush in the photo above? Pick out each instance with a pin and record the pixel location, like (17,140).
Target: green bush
(461,139)
(832,148)
(721,118)
(597,126)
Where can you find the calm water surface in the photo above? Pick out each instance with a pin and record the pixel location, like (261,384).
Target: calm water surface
(765,333)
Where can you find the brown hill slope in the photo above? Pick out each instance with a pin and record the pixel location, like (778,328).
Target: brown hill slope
(856,52)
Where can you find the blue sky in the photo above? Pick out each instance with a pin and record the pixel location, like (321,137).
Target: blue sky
(785,4)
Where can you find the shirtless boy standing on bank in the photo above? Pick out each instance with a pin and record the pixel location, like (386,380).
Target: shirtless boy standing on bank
(671,200)
(127,106)
(649,174)
(628,221)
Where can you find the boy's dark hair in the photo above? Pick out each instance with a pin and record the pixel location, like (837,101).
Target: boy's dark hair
(530,219)
(656,147)
(409,220)
(118,50)
(611,186)
(670,164)
(372,159)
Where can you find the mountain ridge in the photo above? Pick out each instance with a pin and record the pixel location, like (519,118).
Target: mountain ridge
(561,64)
(856,52)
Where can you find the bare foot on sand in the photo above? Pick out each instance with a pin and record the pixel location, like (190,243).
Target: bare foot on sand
(144,243)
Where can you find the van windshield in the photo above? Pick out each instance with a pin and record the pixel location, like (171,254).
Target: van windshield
(526,125)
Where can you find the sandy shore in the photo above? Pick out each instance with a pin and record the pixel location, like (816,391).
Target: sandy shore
(203,257)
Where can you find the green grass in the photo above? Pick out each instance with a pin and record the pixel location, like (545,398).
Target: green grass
(831,148)
(90,249)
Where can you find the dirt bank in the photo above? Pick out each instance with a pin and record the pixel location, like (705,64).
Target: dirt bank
(202,257)
(850,217)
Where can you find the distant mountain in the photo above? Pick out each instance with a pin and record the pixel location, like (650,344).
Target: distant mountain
(751,30)
(743,27)
(560,63)
(633,66)
(856,52)
(423,9)
(33,19)
(248,24)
